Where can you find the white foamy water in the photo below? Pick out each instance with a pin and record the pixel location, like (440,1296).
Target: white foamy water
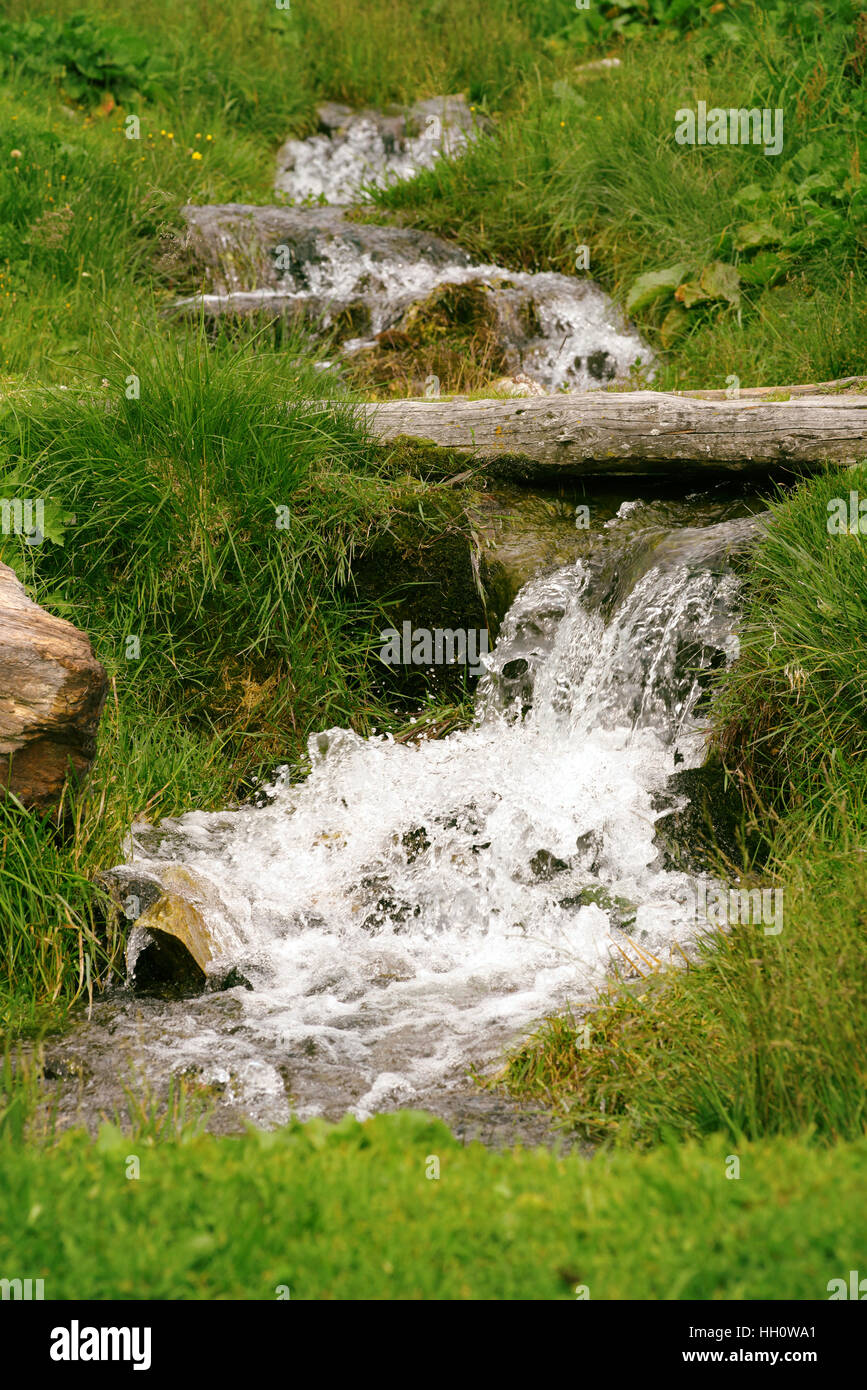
(367,149)
(577,338)
(408,910)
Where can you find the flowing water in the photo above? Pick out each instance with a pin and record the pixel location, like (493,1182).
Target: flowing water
(408,910)
(565,332)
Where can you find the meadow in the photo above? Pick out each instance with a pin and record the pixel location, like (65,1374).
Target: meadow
(162,513)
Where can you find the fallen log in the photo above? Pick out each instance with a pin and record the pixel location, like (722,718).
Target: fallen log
(631,432)
(781,393)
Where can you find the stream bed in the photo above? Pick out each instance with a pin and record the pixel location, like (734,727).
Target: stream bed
(407,912)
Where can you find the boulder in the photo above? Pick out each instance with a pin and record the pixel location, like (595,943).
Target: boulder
(173,949)
(408,311)
(52,692)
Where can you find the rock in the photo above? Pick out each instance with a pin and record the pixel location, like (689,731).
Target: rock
(429,578)
(518,385)
(163,948)
(243,248)
(373,147)
(701,821)
(52,692)
(170,947)
(408,310)
(545,865)
(621,912)
(171,950)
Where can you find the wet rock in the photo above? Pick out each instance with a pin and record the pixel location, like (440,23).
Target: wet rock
(545,865)
(229,978)
(621,911)
(132,891)
(431,580)
(355,148)
(415,842)
(240,247)
(589,847)
(388,910)
(52,692)
(64,1069)
(702,821)
(169,949)
(408,310)
(516,668)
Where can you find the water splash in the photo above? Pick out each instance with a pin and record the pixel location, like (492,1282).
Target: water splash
(360,280)
(360,149)
(409,909)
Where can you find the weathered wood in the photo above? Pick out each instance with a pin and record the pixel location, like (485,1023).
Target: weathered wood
(52,690)
(632,432)
(812,388)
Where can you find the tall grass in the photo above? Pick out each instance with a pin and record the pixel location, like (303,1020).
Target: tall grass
(793,714)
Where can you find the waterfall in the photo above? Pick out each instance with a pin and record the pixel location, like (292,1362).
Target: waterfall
(409,909)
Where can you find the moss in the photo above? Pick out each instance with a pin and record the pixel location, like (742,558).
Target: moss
(452,335)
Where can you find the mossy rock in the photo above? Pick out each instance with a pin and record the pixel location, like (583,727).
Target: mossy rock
(454,335)
(710,829)
(621,910)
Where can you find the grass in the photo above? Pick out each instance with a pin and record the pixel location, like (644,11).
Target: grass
(167,463)
(395,1208)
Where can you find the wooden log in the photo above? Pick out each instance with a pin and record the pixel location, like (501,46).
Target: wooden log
(782,393)
(632,432)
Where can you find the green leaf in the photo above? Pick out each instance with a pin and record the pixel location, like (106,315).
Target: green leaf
(750,234)
(752,195)
(655,284)
(764,269)
(721,281)
(689,293)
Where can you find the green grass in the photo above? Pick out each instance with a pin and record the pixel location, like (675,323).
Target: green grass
(591,160)
(350,1212)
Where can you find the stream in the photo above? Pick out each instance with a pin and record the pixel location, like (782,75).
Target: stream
(407,911)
